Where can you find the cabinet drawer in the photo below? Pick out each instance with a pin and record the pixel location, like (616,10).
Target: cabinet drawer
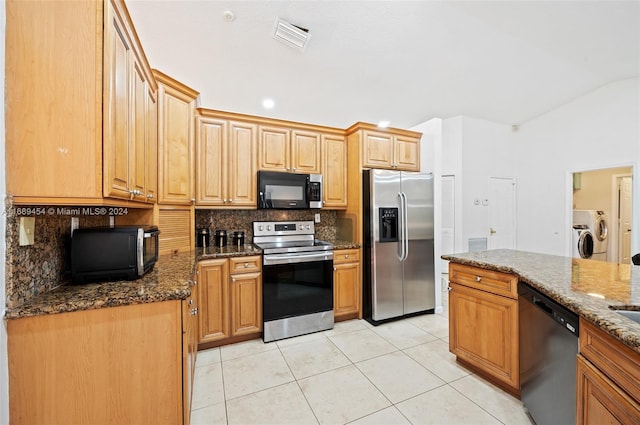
(620,363)
(245,264)
(498,283)
(342,256)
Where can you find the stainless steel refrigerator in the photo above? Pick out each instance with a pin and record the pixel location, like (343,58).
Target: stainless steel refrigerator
(398,268)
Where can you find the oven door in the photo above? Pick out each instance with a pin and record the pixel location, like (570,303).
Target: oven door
(298,286)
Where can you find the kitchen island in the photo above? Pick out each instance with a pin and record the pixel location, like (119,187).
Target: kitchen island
(484,323)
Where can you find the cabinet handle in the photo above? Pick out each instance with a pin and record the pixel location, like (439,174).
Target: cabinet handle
(478,278)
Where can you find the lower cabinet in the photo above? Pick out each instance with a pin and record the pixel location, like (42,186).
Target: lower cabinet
(230,291)
(109,365)
(483,326)
(608,375)
(347,283)
(189,340)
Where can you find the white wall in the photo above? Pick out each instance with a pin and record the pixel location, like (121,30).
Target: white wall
(4,372)
(597,130)
(475,150)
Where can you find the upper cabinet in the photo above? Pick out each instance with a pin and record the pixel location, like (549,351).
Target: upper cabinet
(334,171)
(176,141)
(289,150)
(392,149)
(62,60)
(226,153)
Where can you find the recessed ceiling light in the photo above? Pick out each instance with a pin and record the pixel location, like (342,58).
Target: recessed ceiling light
(383,124)
(228,16)
(268,104)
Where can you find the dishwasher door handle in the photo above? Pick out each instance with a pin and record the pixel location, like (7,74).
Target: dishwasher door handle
(537,301)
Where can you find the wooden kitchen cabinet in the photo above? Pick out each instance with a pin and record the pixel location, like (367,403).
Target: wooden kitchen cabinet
(108,365)
(125,138)
(289,150)
(334,172)
(230,300)
(483,322)
(347,298)
(190,341)
(391,148)
(608,379)
(176,141)
(69,56)
(226,162)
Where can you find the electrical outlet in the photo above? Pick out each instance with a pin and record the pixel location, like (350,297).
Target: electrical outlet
(317,218)
(27,229)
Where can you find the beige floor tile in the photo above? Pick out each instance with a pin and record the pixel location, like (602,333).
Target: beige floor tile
(300,339)
(342,395)
(506,408)
(346,327)
(247,348)
(398,376)
(215,414)
(284,404)
(444,405)
(207,386)
(314,357)
(209,356)
(403,334)
(362,345)
(388,416)
(436,324)
(436,357)
(248,374)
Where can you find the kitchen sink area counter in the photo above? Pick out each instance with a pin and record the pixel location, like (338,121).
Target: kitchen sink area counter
(591,289)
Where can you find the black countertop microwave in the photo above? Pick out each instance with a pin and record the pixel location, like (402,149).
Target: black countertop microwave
(111,253)
(284,191)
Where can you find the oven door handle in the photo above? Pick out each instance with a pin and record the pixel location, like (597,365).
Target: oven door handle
(296,258)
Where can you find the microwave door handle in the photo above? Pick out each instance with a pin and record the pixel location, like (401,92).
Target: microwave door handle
(139,252)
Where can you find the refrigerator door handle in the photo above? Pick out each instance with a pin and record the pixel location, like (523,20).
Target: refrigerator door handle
(404,208)
(400,250)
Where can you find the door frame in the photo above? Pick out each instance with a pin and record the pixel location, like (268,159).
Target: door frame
(514,203)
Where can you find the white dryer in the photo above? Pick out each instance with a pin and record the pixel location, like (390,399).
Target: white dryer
(582,242)
(596,222)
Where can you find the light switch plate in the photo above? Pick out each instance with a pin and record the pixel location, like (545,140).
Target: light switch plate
(27,230)
(317,218)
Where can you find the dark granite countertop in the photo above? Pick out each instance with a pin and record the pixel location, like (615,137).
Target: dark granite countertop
(169,280)
(587,287)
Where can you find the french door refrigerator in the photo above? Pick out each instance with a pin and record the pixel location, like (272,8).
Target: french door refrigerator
(398,271)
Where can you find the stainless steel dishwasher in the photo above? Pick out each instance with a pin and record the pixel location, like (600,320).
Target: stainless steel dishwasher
(548,350)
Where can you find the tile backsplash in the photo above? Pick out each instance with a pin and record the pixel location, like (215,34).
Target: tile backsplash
(232,220)
(38,268)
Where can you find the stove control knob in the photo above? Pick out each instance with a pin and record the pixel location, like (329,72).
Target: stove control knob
(260,227)
(308,227)
(268,227)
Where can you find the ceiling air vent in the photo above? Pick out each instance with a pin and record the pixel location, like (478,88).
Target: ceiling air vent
(291,35)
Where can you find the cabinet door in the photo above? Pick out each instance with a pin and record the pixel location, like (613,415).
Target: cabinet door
(273,152)
(151,179)
(138,141)
(334,172)
(378,150)
(211,172)
(483,331)
(119,57)
(246,303)
(346,291)
(176,145)
(213,299)
(305,152)
(242,186)
(600,401)
(407,153)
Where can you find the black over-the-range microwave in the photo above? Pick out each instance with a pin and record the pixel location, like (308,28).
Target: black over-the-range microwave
(279,190)
(110,253)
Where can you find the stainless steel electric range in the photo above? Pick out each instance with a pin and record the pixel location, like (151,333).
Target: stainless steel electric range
(297,279)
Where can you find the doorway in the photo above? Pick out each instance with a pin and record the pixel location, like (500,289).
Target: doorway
(623,214)
(502,213)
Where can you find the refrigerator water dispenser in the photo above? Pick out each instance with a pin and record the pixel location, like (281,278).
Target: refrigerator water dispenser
(388,224)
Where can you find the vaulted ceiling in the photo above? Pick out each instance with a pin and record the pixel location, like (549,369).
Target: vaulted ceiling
(402,61)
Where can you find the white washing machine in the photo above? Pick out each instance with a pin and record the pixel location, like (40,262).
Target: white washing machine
(596,222)
(582,242)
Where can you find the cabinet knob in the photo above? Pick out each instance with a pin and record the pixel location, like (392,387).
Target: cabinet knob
(449,288)
(246,265)
(193,200)
(478,278)
(191,301)
(194,311)
(233,279)
(346,256)
(334,269)
(150,196)
(231,200)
